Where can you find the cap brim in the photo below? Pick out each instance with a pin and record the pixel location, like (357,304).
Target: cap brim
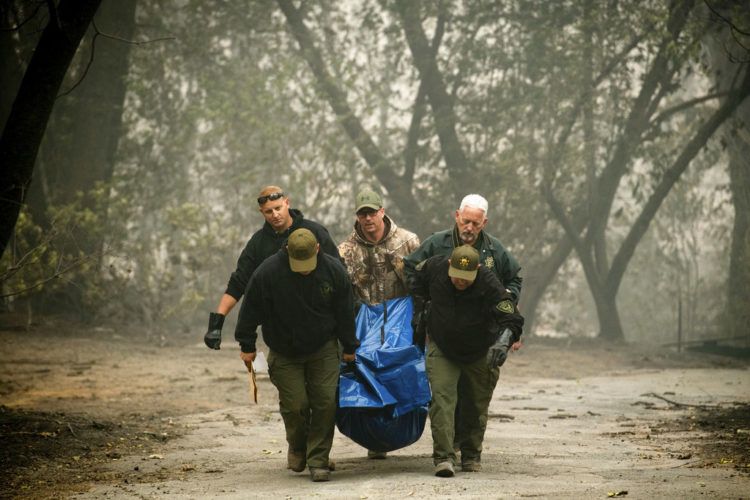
(368,205)
(303,266)
(464,275)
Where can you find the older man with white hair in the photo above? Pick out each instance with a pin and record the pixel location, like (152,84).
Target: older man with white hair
(471,219)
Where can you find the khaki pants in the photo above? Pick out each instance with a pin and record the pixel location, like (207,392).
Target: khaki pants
(477,384)
(307,399)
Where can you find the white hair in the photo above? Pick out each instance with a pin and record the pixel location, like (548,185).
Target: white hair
(474,201)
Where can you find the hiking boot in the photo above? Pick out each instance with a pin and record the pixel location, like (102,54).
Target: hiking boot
(295,460)
(319,474)
(376,455)
(444,469)
(471,466)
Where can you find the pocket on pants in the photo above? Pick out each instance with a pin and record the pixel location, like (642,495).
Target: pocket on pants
(271,360)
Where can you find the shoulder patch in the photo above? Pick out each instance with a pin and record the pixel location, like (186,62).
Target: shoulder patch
(505,306)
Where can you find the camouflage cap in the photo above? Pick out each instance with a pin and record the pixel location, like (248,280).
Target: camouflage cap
(368,198)
(303,250)
(464,263)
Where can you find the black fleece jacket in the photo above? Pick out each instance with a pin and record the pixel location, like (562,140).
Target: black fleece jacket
(299,313)
(464,323)
(266,242)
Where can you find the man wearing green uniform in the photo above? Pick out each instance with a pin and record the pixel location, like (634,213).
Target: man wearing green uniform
(471,219)
(472,323)
(303,300)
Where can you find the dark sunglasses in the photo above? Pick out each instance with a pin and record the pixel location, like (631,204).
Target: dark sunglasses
(366,212)
(271,197)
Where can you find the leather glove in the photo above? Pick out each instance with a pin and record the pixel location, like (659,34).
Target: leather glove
(212,338)
(498,352)
(416,313)
(419,321)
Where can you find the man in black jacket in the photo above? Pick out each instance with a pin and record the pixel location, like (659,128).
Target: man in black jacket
(469,229)
(280,221)
(305,303)
(471,324)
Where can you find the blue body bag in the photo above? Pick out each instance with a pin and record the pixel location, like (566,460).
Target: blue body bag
(384,395)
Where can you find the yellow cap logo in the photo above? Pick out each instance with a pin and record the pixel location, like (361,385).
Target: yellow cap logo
(464,263)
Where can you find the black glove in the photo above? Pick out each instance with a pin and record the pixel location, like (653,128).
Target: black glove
(212,338)
(419,322)
(498,352)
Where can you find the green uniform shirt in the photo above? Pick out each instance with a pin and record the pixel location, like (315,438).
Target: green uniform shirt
(492,255)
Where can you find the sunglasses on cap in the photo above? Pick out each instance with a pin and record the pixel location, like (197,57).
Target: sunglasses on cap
(271,197)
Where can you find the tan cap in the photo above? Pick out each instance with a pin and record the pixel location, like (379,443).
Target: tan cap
(464,263)
(303,251)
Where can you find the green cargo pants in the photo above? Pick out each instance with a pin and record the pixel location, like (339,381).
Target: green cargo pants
(307,399)
(477,384)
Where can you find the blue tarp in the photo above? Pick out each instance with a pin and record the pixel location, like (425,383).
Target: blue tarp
(384,395)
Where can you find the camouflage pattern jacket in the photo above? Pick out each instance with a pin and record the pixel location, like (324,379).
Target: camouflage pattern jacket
(377,269)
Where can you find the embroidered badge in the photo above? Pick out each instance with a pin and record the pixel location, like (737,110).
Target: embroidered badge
(326,289)
(489,262)
(505,306)
(464,263)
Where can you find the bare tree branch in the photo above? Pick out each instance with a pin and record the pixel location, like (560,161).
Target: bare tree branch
(670,177)
(735,32)
(349,121)
(443,112)
(98,33)
(733,26)
(58,272)
(420,108)
(22,23)
(685,105)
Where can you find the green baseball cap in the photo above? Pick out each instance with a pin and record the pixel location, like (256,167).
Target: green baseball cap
(303,250)
(464,263)
(368,199)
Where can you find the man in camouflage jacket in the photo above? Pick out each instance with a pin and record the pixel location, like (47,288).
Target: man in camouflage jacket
(373,254)
(374,250)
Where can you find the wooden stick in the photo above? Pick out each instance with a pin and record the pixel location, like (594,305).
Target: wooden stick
(253,386)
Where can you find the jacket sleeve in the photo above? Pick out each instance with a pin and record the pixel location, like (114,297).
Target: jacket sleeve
(511,278)
(250,316)
(420,254)
(344,309)
(419,280)
(246,265)
(502,307)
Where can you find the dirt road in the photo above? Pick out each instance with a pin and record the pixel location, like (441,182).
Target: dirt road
(582,420)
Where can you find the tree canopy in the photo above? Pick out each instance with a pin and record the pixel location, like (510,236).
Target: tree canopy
(591,128)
